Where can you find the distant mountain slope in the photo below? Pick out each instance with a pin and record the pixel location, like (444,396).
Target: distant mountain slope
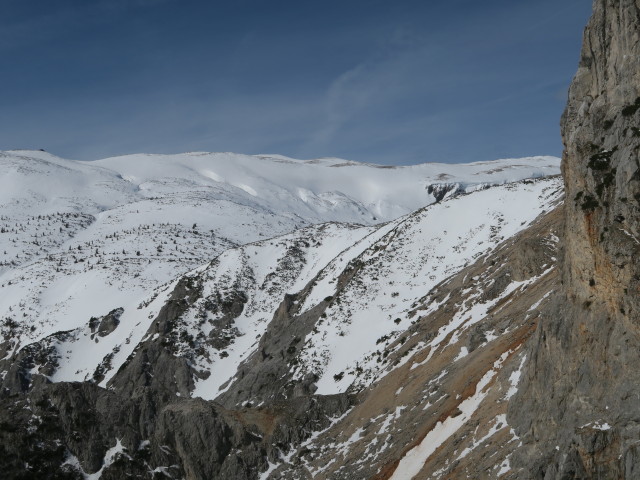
(35,182)
(365,280)
(327,189)
(79,239)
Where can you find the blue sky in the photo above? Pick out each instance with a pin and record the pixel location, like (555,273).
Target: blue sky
(392,82)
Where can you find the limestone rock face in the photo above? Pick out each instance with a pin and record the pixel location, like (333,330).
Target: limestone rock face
(578,410)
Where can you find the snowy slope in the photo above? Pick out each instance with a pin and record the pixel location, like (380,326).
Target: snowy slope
(404,264)
(346,191)
(263,271)
(374,283)
(395,264)
(258,282)
(392,267)
(79,239)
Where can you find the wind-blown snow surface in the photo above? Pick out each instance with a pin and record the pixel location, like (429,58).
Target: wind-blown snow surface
(81,239)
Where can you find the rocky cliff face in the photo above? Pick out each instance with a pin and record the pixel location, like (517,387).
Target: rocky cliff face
(578,410)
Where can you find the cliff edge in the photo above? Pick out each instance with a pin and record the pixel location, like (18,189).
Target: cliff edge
(578,407)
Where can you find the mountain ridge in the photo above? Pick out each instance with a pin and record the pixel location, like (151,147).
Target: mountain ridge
(256,332)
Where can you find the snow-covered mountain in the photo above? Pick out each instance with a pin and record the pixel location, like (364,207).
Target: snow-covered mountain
(79,239)
(243,280)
